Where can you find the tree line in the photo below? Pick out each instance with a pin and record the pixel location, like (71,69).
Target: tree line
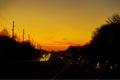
(103,48)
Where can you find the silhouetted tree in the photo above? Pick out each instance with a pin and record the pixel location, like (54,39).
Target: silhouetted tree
(4,32)
(106,40)
(114,19)
(109,32)
(10,49)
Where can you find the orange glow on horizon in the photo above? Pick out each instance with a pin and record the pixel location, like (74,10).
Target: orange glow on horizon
(56,24)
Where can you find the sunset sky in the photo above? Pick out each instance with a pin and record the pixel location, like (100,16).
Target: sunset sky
(56,24)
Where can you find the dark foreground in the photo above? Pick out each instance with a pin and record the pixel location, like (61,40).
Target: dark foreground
(47,70)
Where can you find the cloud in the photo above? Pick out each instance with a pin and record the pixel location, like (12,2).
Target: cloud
(69,43)
(65,39)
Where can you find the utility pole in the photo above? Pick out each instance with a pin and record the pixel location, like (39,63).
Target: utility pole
(32,42)
(23,35)
(37,45)
(40,46)
(13,30)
